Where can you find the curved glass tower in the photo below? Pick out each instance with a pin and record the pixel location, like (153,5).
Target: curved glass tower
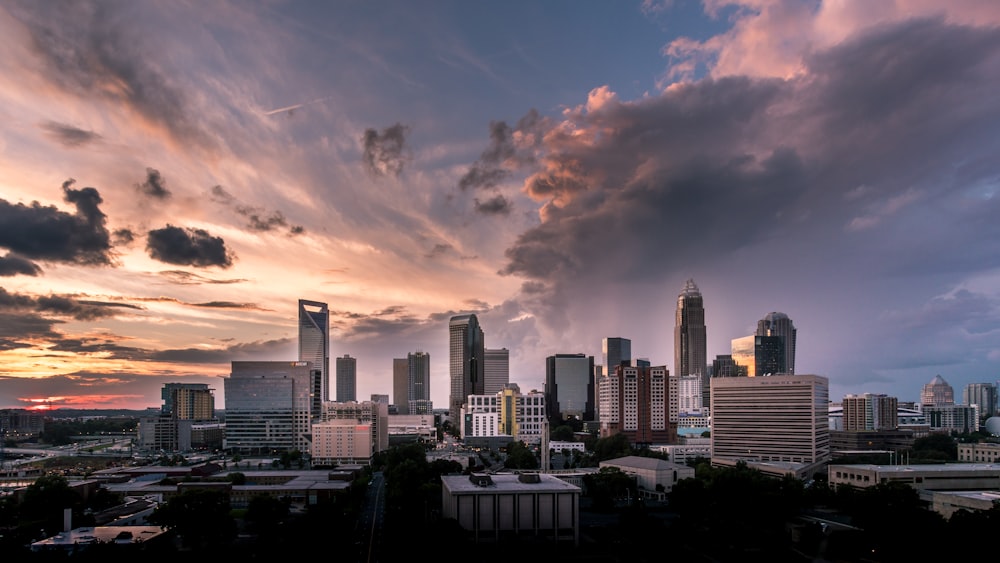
(314,340)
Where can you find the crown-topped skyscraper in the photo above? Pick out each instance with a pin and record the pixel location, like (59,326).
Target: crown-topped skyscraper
(690,354)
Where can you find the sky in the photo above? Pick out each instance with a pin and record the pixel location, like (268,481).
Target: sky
(175,176)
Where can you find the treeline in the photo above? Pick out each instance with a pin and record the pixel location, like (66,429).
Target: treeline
(59,432)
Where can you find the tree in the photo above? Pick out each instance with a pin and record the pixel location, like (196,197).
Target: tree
(265,514)
(520,457)
(562,433)
(45,500)
(612,447)
(200,516)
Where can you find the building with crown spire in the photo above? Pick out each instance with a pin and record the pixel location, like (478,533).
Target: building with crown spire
(690,341)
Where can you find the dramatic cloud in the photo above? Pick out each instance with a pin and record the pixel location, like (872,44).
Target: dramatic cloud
(12,265)
(188,247)
(180,277)
(383,153)
(154,186)
(68,135)
(45,233)
(62,305)
(85,50)
(259,219)
(509,148)
(123,237)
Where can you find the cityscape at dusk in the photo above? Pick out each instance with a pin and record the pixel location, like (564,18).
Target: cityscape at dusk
(176,177)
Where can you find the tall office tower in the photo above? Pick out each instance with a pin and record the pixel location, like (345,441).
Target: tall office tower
(640,402)
(615,351)
(466,365)
(744,355)
(496,370)
(521,416)
(314,340)
(371,413)
(569,387)
(401,385)
(418,383)
(778,324)
(984,396)
(268,407)
(870,412)
(690,341)
(188,401)
(937,392)
(347,379)
(782,418)
(725,366)
(769,355)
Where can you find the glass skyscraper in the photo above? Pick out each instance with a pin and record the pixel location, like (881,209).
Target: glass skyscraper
(466,362)
(569,387)
(347,379)
(778,324)
(314,340)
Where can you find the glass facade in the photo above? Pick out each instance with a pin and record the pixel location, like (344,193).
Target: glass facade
(314,340)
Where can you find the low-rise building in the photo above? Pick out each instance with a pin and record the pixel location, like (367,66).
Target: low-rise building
(503,506)
(940,477)
(655,477)
(983,452)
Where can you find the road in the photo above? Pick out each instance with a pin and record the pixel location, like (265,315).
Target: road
(369,529)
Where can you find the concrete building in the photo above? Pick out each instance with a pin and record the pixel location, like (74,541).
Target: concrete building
(509,413)
(494,508)
(269,406)
(952,418)
(654,477)
(569,387)
(982,452)
(939,477)
(186,420)
(341,441)
(777,418)
(374,415)
(870,412)
(689,393)
(982,395)
(640,402)
(405,428)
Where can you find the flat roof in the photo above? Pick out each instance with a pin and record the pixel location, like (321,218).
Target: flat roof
(926,467)
(507,482)
(99,534)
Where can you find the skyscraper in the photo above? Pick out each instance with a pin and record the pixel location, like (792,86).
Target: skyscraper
(690,352)
(743,354)
(615,352)
(569,387)
(466,362)
(778,324)
(401,385)
(496,370)
(641,403)
(769,355)
(347,379)
(314,340)
(268,407)
(418,383)
(984,396)
(937,392)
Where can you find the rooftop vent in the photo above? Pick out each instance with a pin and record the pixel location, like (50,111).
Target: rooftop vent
(481,480)
(529,478)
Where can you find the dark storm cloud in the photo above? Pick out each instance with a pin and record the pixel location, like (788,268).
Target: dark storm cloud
(13,265)
(259,219)
(154,186)
(45,233)
(707,168)
(278,349)
(384,153)
(496,161)
(87,49)
(16,327)
(188,247)
(496,205)
(69,136)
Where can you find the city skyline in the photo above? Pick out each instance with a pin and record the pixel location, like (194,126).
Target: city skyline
(174,178)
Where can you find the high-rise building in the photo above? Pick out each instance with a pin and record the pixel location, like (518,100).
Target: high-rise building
(347,379)
(778,324)
(983,396)
(690,341)
(725,366)
(401,385)
(937,392)
(615,351)
(778,418)
(496,371)
(744,354)
(689,393)
(769,355)
(521,416)
(186,420)
(466,365)
(268,407)
(418,383)
(188,401)
(314,341)
(640,402)
(870,412)
(569,387)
